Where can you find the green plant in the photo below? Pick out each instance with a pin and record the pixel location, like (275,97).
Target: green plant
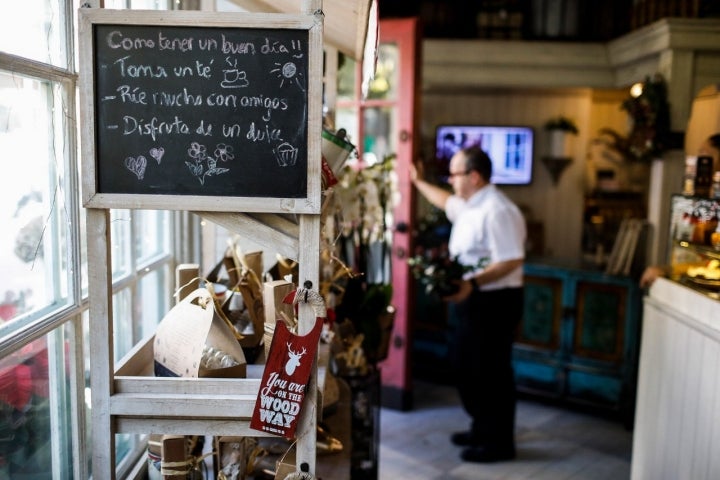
(561,123)
(439,272)
(649,111)
(363,304)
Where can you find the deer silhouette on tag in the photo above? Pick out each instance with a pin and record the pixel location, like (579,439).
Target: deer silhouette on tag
(285,379)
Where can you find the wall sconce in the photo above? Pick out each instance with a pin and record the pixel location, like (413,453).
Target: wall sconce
(559,131)
(556,166)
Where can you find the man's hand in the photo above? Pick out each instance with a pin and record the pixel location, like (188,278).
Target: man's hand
(416,171)
(465,289)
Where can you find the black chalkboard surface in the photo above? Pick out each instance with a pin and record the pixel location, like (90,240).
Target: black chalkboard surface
(206,110)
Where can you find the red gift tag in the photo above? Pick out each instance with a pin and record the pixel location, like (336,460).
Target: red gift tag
(328,177)
(284,380)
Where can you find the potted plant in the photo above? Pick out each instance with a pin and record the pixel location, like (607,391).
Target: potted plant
(561,123)
(558,129)
(649,113)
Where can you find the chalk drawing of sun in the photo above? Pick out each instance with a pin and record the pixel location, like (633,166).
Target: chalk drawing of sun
(287,72)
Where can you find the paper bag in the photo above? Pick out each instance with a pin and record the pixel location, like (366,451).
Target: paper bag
(183,334)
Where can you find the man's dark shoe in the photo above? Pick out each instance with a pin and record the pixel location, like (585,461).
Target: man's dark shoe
(464,439)
(485,455)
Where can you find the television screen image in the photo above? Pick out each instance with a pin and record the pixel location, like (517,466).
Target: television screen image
(510,149)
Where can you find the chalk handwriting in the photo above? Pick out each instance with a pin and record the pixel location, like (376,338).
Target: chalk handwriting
(154,127)
(246,48)
(266,134)
(175,92)
(140,71)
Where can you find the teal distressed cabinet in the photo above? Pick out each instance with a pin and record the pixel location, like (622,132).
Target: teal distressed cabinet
(579,337)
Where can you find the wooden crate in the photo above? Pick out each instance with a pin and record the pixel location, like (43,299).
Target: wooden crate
(177,405)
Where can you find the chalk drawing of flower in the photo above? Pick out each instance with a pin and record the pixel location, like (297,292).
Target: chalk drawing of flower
(198,153)
(224,152)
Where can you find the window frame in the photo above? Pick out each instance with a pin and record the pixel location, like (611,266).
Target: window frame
(67,318)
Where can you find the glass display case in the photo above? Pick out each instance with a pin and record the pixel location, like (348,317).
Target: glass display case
(695,243)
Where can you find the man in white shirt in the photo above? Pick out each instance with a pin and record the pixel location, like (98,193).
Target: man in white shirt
(486,225)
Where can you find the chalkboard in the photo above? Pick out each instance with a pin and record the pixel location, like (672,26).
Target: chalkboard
(200,111)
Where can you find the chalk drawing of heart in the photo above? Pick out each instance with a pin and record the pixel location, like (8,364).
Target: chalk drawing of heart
(136,165)
(157,153)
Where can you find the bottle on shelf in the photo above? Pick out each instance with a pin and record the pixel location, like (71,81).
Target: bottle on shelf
(689,177)
(715,188)
(715,238)
(703,175)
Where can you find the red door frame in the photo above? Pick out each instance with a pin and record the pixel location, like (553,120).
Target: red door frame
(396,372)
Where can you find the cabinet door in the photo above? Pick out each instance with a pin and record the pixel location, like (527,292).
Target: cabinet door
(537,352)
(600,324)
(540,327)
(597,366)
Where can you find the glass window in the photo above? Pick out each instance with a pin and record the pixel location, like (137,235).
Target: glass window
(378,140)
(45,396)
(153,297)
(32,29)
(346,82)
(153,239)
(120,243)
(36,417)
(36,216)
(385,82)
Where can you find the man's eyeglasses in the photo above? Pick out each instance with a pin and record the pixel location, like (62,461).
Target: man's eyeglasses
(458,174)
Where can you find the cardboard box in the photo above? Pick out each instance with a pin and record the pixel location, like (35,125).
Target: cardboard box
(187,280)
(273,294)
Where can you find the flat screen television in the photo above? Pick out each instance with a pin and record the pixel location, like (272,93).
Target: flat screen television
(510,148)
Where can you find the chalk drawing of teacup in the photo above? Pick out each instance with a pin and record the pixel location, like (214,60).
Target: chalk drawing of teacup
(157,153)
(136,165)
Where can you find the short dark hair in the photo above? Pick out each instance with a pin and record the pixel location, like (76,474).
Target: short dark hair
(476,159)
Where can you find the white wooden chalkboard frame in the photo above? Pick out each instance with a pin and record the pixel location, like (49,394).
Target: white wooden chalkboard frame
(93,198)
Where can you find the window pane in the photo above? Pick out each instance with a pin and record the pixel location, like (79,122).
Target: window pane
(346,77)
(140,4)
(385,82)
(379,141)
(120,243)
(35,410)
(152,239)
(155,300)
(34,255)
(87,397)
(32,30)
(122,323)
(150,4)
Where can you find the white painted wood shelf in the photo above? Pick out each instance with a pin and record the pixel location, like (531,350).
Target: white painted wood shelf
(128,398)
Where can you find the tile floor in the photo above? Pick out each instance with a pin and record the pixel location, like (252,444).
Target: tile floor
(553,443)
